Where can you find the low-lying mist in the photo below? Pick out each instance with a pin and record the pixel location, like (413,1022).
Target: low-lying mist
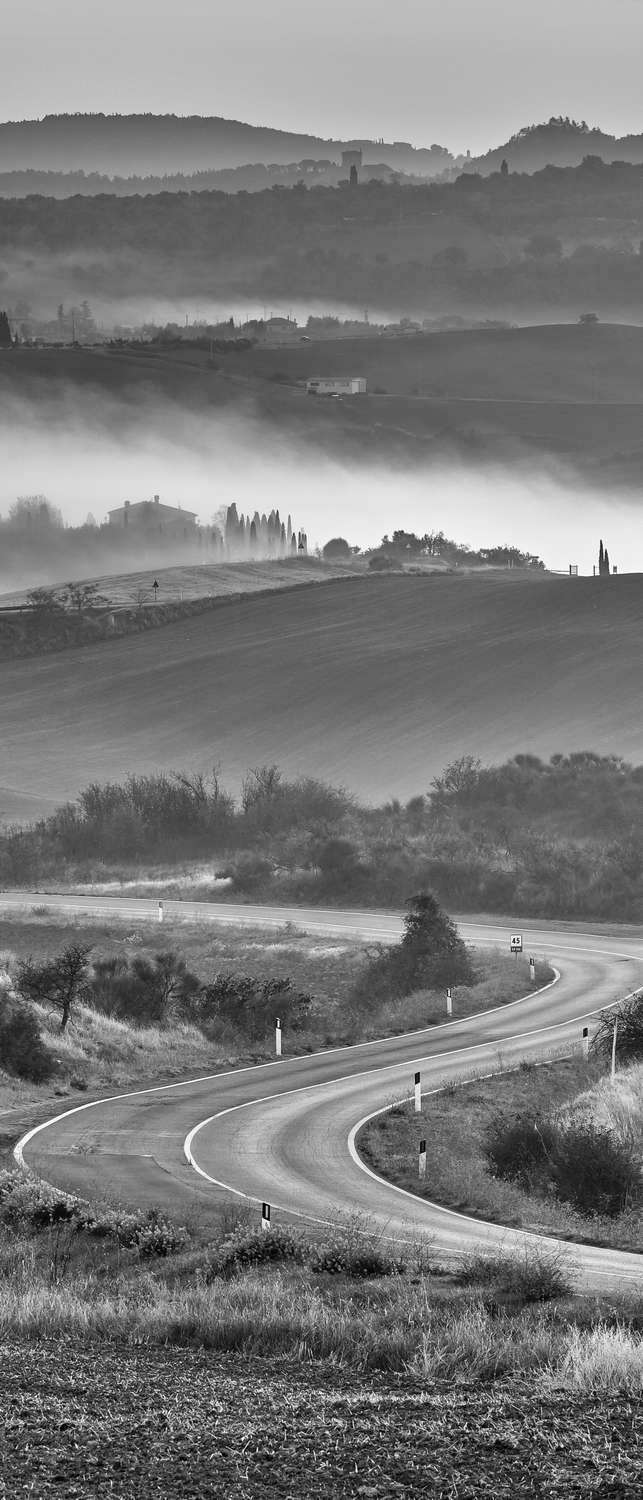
(87,452)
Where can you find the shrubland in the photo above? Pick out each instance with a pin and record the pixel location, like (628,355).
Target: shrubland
(561,838)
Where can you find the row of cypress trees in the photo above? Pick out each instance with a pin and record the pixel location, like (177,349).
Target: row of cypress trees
(262,536)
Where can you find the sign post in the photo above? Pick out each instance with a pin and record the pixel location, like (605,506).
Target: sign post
(418,1095)
(515,943)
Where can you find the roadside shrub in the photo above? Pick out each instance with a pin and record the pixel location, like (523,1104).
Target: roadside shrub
(584,1164)
(629,1035)
(594,1171)
(22,1050)
(31,1204)
(533,1273)
(254,1247)
(517,1148)
(252,1006)
(152,991)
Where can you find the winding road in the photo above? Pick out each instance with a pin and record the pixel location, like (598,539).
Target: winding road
(284,1132)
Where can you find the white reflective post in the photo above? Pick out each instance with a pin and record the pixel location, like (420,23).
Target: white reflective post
(278,1037)
(265,1216)
(586,1042)
(532,969)
(422,1159)
(160,911)
(418,1095)
(449,1003)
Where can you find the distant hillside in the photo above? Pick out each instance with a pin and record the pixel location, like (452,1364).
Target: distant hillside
(129,145)
(372,683)
(560,142)
(520,247)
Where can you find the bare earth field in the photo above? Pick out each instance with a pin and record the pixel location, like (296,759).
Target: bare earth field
(373,683)
(142,1423)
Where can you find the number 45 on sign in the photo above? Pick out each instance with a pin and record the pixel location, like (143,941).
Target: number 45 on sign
(515,942)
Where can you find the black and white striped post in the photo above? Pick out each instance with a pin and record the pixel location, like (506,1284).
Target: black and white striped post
(160,911)
(265,1216)
(449,1003)
(613,1069)
(532,969)
(278,1037)
(418,1095)
(586,1042)
(422,1159)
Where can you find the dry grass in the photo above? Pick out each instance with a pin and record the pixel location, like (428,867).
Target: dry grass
(392,1324)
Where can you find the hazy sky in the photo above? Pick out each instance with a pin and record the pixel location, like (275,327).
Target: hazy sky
(466,73)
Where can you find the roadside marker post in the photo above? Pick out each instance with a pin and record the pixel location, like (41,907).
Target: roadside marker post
(613,1071)
(422,1159)
(160,911)
(278,1037)
(265,1216)
(586,1042)
(418,1095)
(449,1003)
(532,970)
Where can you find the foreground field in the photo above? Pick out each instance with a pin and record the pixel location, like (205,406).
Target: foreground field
(375,684)
(143,1422)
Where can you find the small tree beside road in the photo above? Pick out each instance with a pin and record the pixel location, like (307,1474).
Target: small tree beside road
(60,981)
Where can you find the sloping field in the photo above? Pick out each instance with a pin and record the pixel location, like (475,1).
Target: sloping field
(375,683)
(205,580)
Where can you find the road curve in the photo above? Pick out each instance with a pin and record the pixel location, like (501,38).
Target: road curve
(284,1131)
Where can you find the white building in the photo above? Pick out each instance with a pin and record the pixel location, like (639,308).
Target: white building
(336,385)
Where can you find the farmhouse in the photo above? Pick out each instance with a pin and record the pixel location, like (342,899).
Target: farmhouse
(151,518)
(336,385)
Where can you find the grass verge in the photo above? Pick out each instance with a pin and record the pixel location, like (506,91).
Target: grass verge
(454,1123)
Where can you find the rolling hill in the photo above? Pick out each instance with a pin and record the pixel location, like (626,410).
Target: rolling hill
(375,683)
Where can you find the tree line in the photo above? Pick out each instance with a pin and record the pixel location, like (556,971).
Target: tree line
(559,838)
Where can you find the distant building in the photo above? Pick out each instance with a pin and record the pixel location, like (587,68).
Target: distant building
(152,519)
(351,158)
(336,385)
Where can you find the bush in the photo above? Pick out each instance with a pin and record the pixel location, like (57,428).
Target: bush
(152,992)
(594,1171)
(255,1247)
(251,1006)
(516,1149)
(629,1034)
(584,1164)
(22,1050)
(30,1203)
(535,1273)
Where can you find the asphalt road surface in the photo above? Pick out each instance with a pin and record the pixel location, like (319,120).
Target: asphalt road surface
(284,1132)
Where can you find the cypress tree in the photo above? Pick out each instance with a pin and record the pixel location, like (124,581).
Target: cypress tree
(606,563)
(601,560)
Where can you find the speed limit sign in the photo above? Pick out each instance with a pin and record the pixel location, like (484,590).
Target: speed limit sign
(515,942)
